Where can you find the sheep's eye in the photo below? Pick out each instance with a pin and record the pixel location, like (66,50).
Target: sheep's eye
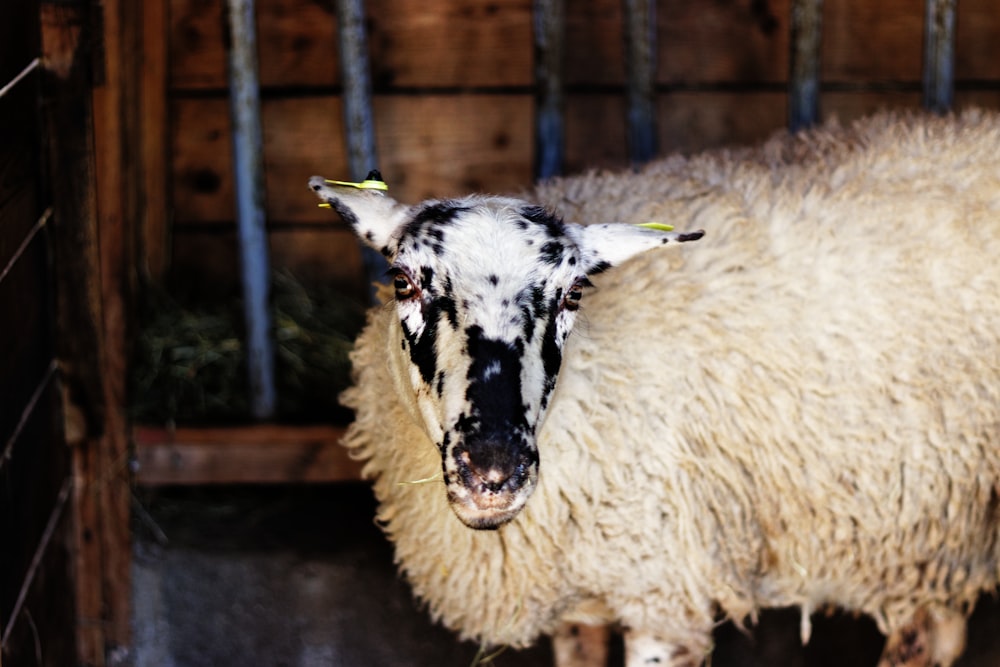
(404,287)
(571,300)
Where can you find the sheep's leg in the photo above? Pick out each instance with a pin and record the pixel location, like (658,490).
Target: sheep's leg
(647,650)
(577,645)
(934,638)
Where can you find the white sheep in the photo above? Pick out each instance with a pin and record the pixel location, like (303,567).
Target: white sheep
(801,409)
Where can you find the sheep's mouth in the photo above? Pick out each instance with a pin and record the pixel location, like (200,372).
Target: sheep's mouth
(486,500)
(485,509)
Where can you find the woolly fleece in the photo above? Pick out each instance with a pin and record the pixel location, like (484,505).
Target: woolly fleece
(803,408)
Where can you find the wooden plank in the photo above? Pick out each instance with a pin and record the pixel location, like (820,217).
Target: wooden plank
(324,255)
(264,454)
(705,43)
(872,41)
(474,43)
(154,233)
(977,36)
(479,44)
(428,146)
(104,498)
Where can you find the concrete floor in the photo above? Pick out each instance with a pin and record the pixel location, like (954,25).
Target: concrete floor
(301,577)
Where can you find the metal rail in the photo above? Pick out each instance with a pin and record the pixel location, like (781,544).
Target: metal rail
(359,124)
(550,31)
(640,71)
(939,55)
(804,61)
(248,173)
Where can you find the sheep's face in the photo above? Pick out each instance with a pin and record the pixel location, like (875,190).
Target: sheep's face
(486,293)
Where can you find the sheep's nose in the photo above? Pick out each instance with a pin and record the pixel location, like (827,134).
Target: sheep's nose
(486,470)
(493,465)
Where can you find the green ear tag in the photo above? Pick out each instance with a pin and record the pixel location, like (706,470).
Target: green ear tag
(658,226)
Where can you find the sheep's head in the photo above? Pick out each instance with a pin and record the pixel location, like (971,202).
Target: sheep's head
(486,293)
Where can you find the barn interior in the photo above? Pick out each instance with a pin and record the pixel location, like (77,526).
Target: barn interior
(164,500)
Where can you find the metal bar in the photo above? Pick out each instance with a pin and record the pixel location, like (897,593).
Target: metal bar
(359,123)
(29,408)
(640,68)
(36,560)
(25,242)
(23,73)
(248,171)
(550,30)
(939,55)
(803,80)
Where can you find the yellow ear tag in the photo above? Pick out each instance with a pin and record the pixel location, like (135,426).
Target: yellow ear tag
(367,184)
(658,226)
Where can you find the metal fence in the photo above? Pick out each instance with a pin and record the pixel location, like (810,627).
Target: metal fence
(37,624)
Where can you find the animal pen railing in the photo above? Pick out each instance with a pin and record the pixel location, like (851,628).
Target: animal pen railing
(268,453)
(64,479)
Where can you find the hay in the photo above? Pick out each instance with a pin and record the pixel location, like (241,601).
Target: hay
(189,361)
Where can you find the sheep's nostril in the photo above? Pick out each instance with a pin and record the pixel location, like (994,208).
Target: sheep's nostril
(488,473)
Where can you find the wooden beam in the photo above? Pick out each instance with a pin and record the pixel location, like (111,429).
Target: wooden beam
(68,130)
(105,496)
(262,454)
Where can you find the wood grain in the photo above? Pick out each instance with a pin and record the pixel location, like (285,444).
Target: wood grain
(262,454)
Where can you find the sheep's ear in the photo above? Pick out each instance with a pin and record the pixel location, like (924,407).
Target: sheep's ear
(375,217)
(604,246)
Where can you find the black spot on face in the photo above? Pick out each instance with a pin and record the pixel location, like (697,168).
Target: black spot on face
(494,383)
(553,226)
(552,252)
(433,218)
(422,348)
(551,353)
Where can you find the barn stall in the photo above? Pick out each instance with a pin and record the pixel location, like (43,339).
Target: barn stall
(129,398)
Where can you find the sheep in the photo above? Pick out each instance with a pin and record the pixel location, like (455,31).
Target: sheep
(800,409)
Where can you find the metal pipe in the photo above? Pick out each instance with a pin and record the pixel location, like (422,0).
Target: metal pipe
(640,69)
(248,172)
(359,124)
(939,55)
(550,30)
(803,80)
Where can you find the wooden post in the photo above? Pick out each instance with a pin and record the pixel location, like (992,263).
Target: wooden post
(68,127)
(117,182)
(803,82)
(88,120)
(939,55)
(550,30)
(640,69)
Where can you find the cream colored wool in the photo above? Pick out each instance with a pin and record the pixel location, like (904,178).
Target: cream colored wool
(803,408)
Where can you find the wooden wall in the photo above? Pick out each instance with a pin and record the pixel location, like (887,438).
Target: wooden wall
(454,99)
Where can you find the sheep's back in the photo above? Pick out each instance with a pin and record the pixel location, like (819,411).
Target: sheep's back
(805,405)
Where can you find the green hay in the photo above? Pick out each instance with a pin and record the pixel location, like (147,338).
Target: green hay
(189,364)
